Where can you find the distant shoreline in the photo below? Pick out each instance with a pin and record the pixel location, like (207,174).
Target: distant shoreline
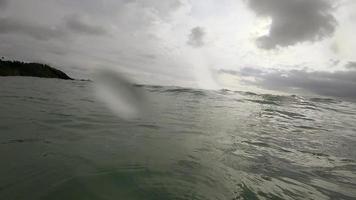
(18,68)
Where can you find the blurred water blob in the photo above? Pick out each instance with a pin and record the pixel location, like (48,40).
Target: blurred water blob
(119,94)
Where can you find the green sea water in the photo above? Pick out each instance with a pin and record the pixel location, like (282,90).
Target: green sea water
(57,141)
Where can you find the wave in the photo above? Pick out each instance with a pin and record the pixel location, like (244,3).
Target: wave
(174,90)
(193,144)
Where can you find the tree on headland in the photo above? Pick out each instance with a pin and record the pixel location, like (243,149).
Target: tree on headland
(18,68)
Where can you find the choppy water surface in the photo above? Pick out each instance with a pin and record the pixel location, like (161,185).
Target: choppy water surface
(58,142)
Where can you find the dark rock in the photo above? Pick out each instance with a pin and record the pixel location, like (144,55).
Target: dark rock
(16,68)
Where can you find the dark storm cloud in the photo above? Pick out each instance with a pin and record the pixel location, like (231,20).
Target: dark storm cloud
(351,65)
(10,26)
(76,24)
(294,21)
(338,84)
(196,37)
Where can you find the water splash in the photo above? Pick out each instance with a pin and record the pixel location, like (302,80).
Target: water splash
(119,94)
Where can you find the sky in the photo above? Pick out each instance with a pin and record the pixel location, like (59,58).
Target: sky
(293,46)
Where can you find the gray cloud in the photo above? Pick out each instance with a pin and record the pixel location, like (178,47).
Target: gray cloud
(334,62)
(76,24)
(196,37)
(110,9)
(294,21)
(351,65)
(3,3)
(148,56)
(73,24)
(130,32)
(9,26)
(338,84)
(60,32)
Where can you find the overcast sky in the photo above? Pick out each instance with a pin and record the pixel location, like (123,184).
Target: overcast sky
(284,45)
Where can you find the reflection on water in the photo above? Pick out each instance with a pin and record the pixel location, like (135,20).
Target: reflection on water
(58,142)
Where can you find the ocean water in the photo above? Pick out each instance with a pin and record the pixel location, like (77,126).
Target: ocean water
(57,141)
